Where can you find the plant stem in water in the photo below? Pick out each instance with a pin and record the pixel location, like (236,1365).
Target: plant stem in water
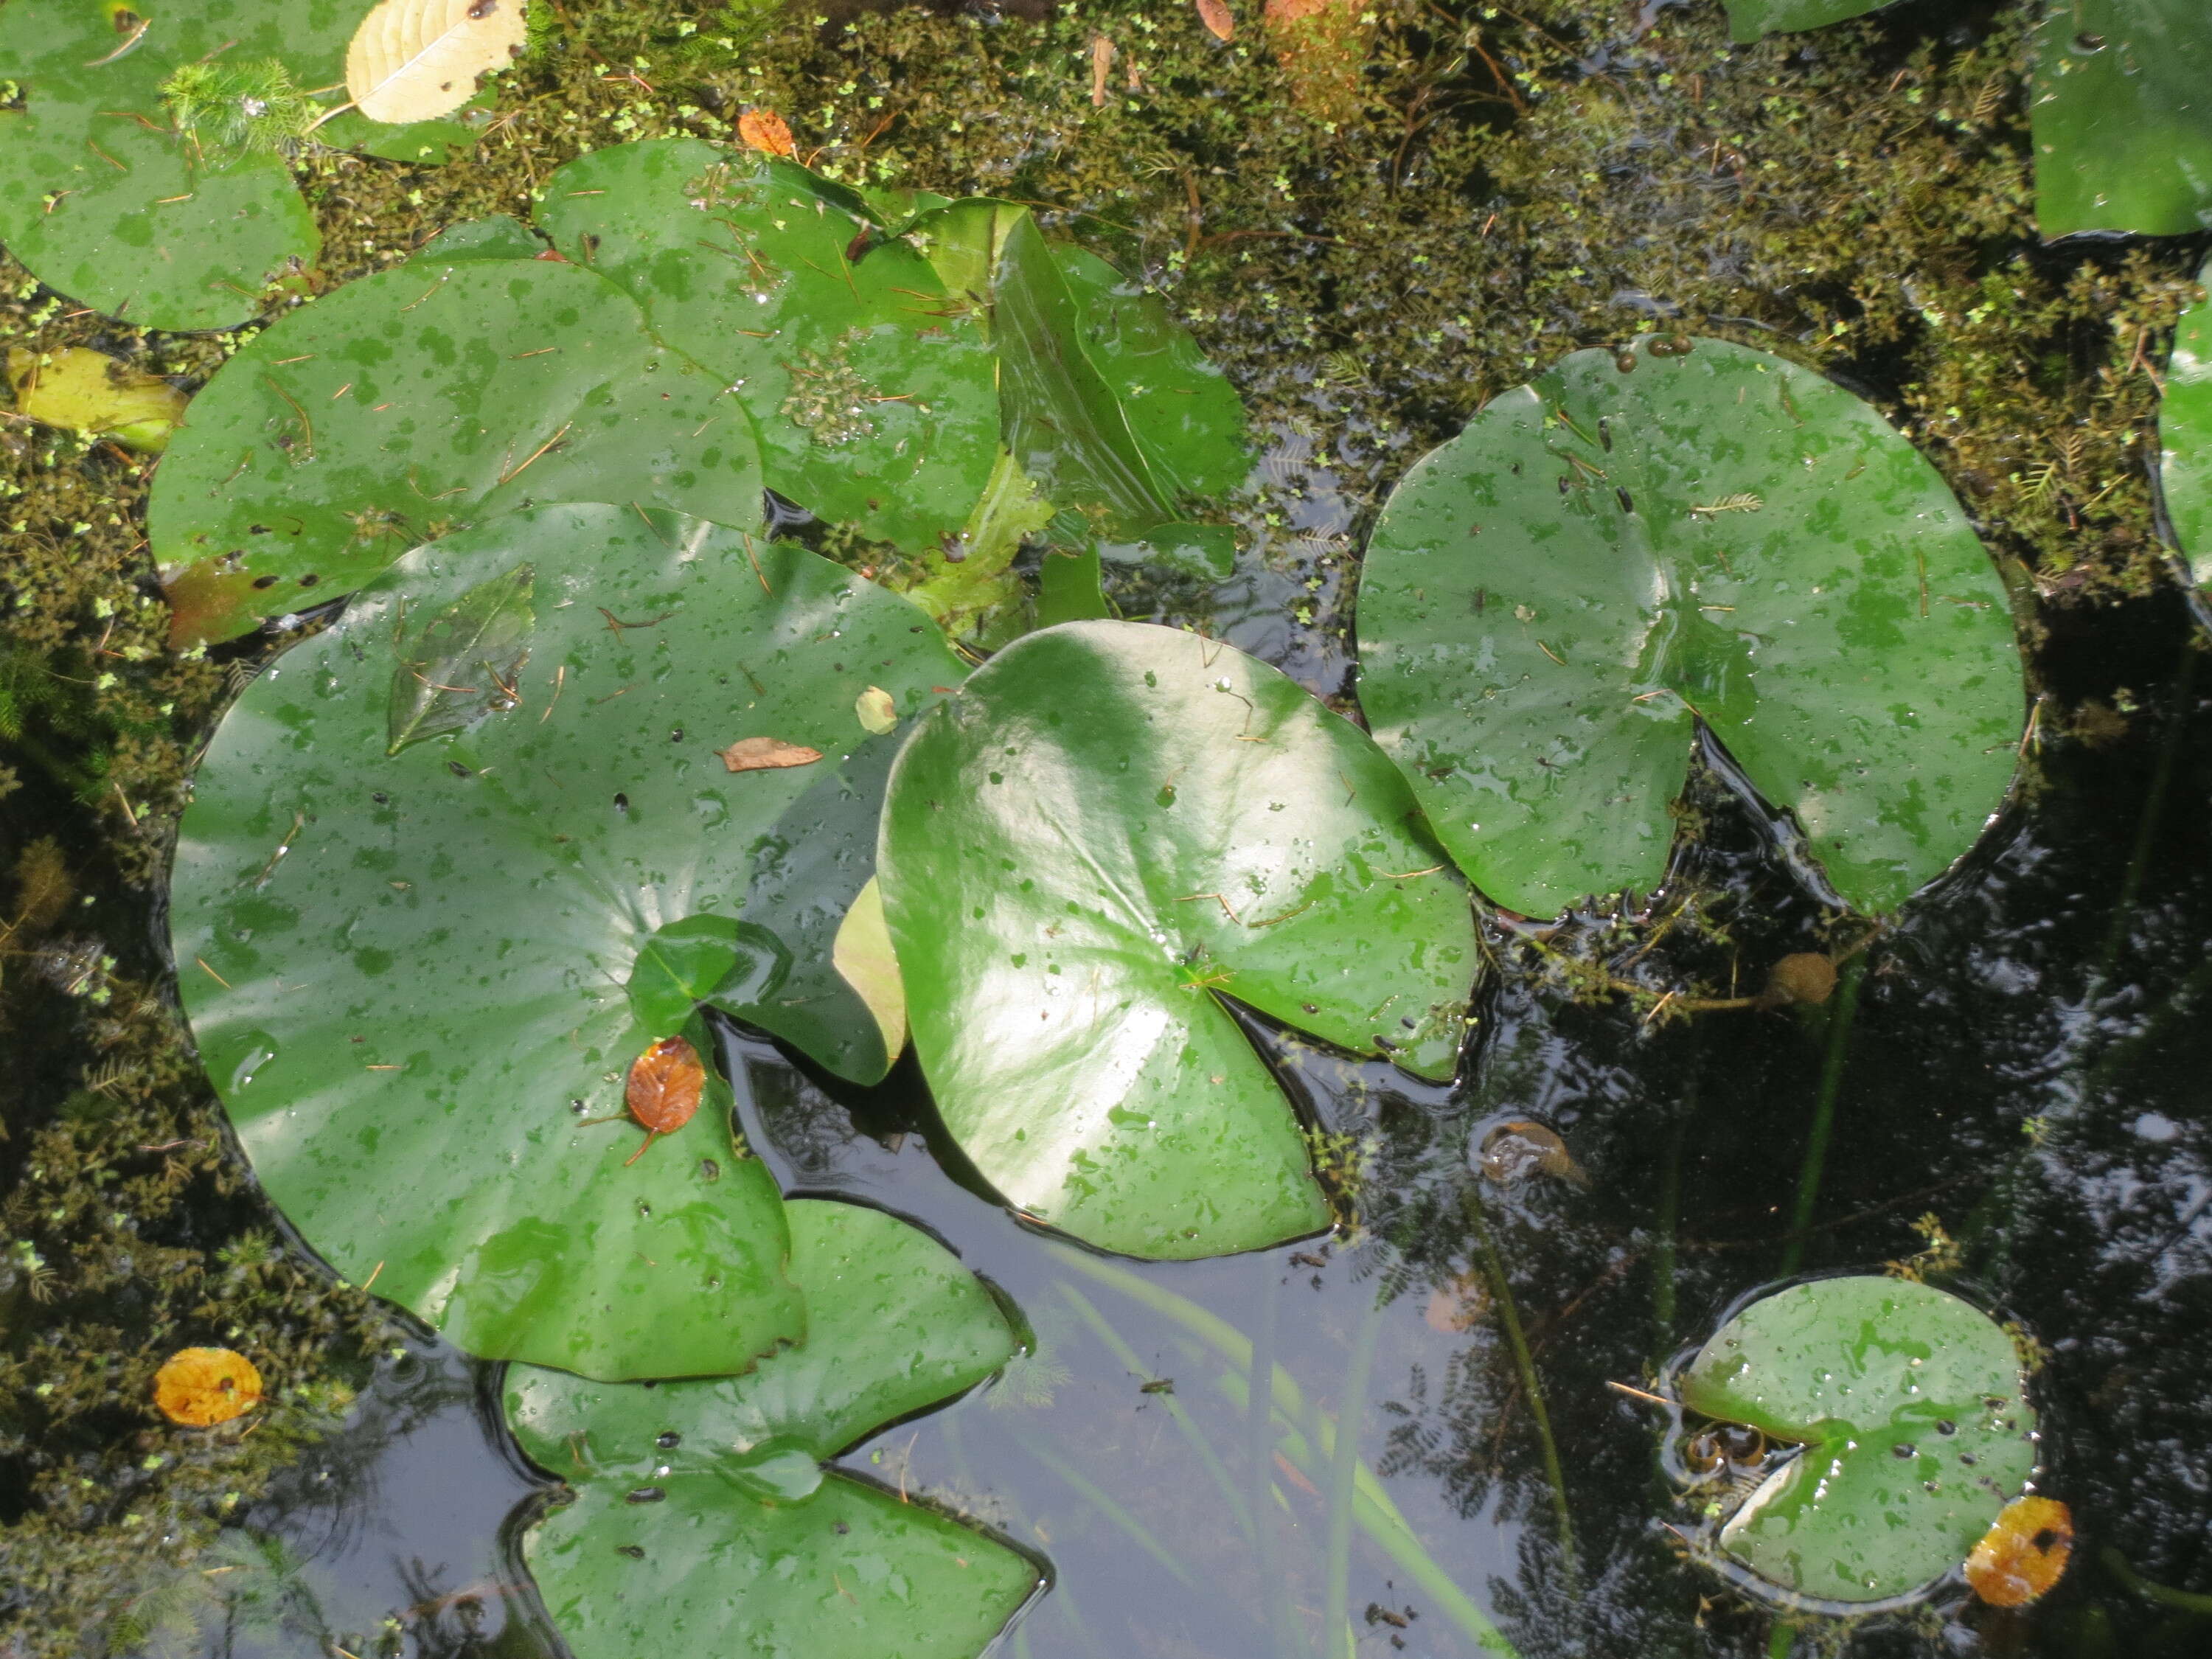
(1823,1114)
(1098,1498)
(1525,1363)
(1343,1466)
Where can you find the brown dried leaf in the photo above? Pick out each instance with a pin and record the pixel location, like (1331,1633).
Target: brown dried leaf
(1102,66)
(1220,23)
(2023,1554)
(767,754)
(201,1386)
(1513,1150)
(764,130)
(664,1085)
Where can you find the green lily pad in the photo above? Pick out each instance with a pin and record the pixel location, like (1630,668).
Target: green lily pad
(102,200)
(1554,598)
(397,406)
(1749,19)
(703,1507)
(2185,433)
(497,236)
(1909,1405)
(411,974)
(1110,823)
(873,396)
(2122,118)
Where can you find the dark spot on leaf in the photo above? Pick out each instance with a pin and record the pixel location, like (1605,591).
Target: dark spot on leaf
(631,1550)
(309,579)
(622,802)
(458,770)
(668,1440)
(264,581)
(644,1495)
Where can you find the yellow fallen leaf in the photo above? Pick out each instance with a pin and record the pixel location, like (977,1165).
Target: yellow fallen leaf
(764,130)
(864,959)
(877,711)
(414,60)
(767,754)
(91,391)
(201,1386)
(2023,1554)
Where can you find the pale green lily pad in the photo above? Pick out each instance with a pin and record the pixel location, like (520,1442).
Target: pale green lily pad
(411,975)
(2122,118)
(417,400)
(103,201)
(1554,598)
(703,1507)
(1915,1427)
(1110,825)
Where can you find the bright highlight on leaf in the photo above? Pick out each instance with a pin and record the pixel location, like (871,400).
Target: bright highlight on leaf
(201,1386)
(413,60)
(2024,1554)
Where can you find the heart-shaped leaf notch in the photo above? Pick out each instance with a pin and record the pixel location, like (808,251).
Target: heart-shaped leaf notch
(412,969)
(704,1506)
(1688,531)
(1111,823)
(1912,1426)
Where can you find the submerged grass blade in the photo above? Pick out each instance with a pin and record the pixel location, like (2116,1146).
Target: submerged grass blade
(1525,1363)
(1823,1114)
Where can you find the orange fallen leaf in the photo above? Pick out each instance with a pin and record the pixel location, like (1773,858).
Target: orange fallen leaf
(664,1085)
(1217,19)
(766,754)
(1102,65)
(201,1386)
(764,130)
(2024,1554)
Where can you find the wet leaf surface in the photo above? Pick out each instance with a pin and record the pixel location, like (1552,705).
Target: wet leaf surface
(746,1538)
(1112,822)
(101,199)
(463,941)
(462,663)
(2184,435)
(2122,127)
(1553,599)
(414,60)
(1909,1405)
(199,1387)
(413,400)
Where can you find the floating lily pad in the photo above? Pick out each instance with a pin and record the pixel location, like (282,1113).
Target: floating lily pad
(704,1508)
(1915,1432)
(1553,599)
(414,400)
(1749,19)
(1111,827)
(2185,433)
(412,974)
(874,398)
(2122,118)
(102,200)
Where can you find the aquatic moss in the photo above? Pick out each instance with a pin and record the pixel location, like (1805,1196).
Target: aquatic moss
(1507,185)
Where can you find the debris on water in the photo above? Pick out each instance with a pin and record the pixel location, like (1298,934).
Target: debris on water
(875,710)
(201,1386)
(2023,1554)
(767,754)
(1516,1149)
(1801,977)
(765,131)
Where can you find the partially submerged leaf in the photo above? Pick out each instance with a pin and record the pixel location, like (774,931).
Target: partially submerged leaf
(522,907)
(1110,828)
(1553,601)
(462,663)
(864,958)
(704,1505)
(2024,1554)
(414,60)
(1911,1411)
(199,1387)
(92,392)
(767,755)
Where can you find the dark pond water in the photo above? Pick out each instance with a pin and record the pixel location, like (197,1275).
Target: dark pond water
(2027,1065)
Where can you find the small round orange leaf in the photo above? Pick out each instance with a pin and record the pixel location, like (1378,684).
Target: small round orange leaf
(664,1085)
(764,130)
(201,1387)
(2023,1554)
